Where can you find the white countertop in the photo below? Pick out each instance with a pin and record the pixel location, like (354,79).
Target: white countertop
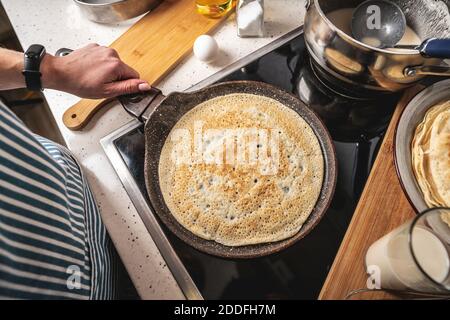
(59,23)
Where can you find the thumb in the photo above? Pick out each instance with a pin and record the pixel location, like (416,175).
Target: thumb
(128,86)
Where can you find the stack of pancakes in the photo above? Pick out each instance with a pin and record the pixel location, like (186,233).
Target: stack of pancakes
(431,155)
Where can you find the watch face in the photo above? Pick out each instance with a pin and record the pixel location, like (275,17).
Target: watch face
(35,51)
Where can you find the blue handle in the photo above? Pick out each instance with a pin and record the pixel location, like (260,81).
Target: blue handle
(436,48)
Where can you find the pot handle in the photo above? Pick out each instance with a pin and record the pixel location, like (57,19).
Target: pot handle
(432,48)
(428,71)
(436,48)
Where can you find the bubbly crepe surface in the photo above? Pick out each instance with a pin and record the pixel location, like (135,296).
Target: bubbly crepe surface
(235,204)
(431,156)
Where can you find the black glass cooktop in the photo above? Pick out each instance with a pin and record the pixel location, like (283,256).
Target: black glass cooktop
(357,125)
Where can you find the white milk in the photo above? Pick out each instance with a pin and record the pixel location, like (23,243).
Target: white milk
(342,19)
(392,255)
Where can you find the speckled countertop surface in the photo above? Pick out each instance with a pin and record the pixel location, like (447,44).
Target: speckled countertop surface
(59,23)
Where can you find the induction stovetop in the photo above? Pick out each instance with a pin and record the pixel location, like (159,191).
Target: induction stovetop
(356,124)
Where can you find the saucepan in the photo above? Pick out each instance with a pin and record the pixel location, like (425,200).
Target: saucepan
(366,67)
(160,114)
(111,11)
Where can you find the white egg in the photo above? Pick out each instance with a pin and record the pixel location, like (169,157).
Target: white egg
(205,48)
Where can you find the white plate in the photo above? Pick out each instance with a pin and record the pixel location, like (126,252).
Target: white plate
(409,120)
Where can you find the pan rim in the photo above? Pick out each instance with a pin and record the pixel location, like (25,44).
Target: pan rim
(248,251)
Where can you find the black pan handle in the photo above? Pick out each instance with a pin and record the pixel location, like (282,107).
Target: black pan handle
(136,104)
(140,105)
(63,52)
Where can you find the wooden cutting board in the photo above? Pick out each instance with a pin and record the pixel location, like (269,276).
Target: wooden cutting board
(153,46)
(382,207)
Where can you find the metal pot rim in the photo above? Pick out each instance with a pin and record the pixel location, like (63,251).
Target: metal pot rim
(84,3)
(345,36)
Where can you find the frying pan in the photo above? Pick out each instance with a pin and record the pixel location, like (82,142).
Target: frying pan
(160,114)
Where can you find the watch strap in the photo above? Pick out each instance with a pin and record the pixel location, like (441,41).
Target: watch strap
(32,63)
(33,80)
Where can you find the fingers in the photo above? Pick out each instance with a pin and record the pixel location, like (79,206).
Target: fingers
(121,70)
(126,72)
(126,87)
(104,74)
(109,52)
(91,46)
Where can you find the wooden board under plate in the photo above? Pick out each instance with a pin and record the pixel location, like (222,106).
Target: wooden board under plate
(383,207)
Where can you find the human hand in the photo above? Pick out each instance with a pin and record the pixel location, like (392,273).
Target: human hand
(91,72)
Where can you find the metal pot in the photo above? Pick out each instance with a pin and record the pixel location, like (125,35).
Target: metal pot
(363,66)
(111,11)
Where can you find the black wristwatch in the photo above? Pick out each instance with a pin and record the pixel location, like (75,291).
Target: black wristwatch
(32,63)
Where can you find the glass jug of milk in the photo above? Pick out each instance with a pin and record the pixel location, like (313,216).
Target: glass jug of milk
(415,256)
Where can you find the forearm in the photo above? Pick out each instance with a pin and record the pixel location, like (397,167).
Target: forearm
(89,72)
(11,66)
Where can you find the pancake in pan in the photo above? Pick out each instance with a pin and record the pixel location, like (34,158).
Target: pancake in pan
(241,169)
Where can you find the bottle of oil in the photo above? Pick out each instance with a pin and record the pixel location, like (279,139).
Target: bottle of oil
(214,8)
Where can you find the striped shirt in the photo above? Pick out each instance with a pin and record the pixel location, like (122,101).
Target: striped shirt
(53,244)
